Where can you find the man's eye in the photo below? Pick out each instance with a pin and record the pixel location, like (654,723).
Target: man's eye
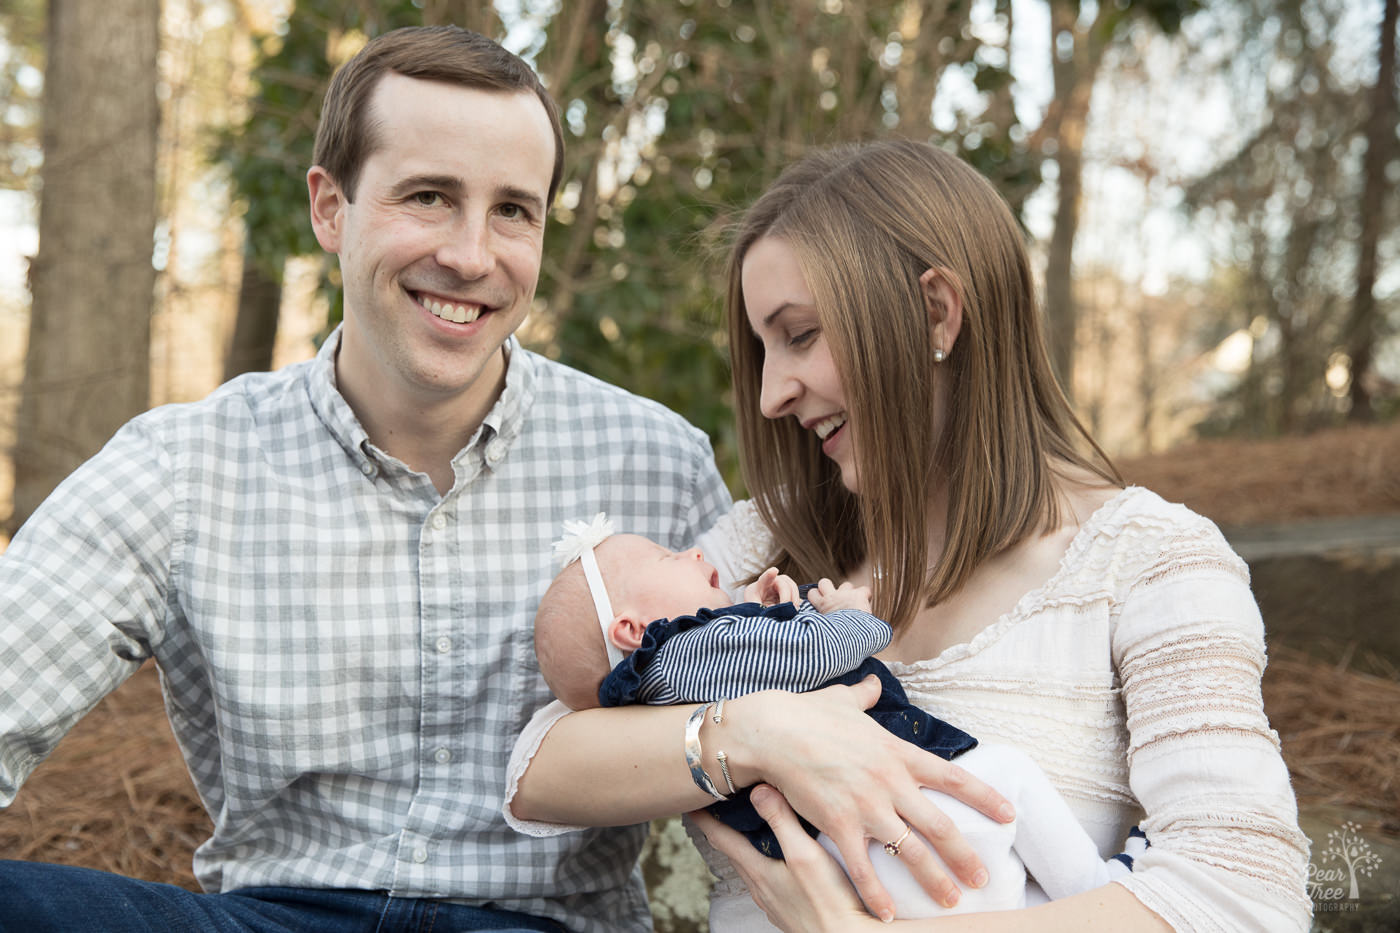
(427,198)
(513,212)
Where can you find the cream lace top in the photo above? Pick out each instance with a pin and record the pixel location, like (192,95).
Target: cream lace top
(1132,678)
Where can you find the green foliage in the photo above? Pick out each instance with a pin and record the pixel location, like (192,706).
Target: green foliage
(268,153)
(682,114)
(21,72)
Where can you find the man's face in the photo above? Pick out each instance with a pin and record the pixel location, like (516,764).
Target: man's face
(440,248)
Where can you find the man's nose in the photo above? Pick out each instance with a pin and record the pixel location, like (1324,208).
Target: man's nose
(467,249)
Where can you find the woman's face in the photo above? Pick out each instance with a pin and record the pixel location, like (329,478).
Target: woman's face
(799,375)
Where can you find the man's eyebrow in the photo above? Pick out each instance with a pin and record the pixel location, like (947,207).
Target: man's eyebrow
(532,200)
(453,186)
(448,183)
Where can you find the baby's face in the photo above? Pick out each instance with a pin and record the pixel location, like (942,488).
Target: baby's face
(660,583)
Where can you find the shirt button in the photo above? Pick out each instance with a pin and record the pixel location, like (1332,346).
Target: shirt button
(495,452)
(442,756)
(420,855)
(439,521)
(367,468)
(444,645)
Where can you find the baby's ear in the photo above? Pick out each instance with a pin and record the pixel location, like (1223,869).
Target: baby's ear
(626,631)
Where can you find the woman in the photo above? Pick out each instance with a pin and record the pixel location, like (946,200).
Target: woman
(900,427)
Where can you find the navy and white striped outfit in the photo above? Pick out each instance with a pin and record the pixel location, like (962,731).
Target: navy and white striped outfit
(747,647)
(724,653)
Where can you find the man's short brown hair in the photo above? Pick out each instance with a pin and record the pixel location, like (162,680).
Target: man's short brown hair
(347,136)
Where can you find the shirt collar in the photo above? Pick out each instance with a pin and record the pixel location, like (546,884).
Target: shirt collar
(330,406)
(507,416)
(503,422)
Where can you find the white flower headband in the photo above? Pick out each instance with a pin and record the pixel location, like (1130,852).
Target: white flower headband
(580,538)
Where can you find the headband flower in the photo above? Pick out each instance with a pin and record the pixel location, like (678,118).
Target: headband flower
(581,536)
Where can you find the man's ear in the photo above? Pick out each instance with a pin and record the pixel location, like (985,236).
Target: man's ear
(943,302)
(626,631)
(327,208)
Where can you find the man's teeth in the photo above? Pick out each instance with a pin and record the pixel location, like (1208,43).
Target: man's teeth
(459,314)
(826,426)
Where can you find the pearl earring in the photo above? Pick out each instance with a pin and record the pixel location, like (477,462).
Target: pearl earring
(938,355)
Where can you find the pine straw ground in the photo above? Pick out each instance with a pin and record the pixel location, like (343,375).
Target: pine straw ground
(115,794)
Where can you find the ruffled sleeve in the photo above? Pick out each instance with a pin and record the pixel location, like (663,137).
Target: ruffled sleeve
(531,737)
(1226,853)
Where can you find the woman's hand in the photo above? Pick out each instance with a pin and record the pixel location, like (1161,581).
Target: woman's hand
(804,893)
(807,893)
(856,782)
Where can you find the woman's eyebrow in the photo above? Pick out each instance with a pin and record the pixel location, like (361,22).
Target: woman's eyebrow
(776,313)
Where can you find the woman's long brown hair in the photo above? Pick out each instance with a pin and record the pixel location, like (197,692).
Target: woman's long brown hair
(865,221)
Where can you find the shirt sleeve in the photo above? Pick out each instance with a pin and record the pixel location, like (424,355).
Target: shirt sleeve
(1226,853)
(710,502)
(82,596)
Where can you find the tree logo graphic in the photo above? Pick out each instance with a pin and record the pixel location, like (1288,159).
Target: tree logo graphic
(1357,859)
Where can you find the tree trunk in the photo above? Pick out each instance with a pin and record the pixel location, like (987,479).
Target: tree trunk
(1061,314)
(87,369)
(1074,74)
(1380,137)
(255,328)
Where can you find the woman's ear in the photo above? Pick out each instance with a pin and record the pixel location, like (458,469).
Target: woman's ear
(943,302)
(626,631)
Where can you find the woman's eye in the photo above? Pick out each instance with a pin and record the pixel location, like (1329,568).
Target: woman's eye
(802,339)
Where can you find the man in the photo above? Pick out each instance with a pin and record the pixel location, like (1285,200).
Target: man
(335,566)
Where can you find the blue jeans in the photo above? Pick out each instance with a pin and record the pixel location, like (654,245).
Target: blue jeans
(38,898)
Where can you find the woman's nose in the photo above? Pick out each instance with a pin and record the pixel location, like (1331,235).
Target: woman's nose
(777,393)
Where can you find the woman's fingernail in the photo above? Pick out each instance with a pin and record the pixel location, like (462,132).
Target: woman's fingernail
(979,879)
(1006,813)
(887,916)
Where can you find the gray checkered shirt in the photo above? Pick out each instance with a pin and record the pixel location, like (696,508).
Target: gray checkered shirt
(347,657)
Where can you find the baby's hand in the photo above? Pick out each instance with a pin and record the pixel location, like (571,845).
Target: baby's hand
(772,588)
(828,597)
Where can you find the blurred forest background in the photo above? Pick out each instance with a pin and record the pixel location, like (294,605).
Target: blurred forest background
(1209,190)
